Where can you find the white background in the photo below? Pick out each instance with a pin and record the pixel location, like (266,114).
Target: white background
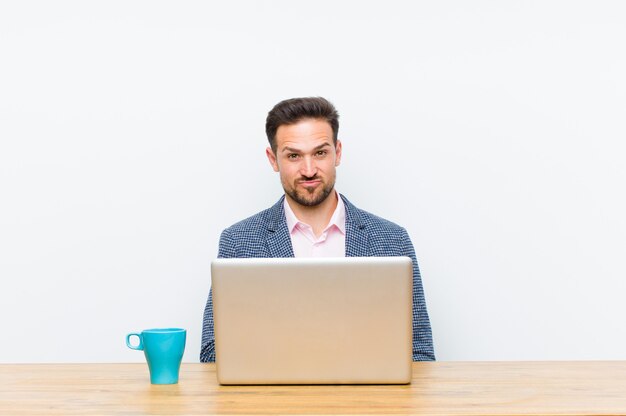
(132,133)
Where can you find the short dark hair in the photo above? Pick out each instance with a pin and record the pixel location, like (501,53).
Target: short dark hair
(293,110)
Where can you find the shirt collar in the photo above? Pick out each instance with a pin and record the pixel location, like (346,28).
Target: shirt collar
(338,218)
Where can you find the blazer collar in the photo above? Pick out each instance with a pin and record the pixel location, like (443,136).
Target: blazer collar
(279,239)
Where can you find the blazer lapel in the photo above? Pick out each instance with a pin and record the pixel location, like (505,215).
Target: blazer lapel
(278,238)
(279,241)
(356,234)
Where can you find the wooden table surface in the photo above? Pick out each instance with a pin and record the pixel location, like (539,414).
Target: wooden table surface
(439,388)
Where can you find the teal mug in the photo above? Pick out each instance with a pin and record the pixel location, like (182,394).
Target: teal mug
(163,348)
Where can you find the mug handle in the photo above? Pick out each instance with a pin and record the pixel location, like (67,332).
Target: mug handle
(139,346)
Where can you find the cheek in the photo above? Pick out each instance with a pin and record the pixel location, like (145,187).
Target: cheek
(287,174)
(330,164)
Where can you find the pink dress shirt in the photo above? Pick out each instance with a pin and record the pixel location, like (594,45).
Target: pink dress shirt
(332,241)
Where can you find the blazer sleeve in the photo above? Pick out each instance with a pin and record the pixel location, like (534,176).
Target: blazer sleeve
(422,334)
(207,348)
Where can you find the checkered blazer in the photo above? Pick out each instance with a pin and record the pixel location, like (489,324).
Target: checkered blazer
(266,235)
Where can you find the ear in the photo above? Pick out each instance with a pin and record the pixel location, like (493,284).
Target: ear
(272,158)
(338,149)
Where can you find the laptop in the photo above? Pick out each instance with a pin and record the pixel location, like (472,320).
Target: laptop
(313,320)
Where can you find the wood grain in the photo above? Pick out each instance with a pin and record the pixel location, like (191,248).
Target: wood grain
(440,388)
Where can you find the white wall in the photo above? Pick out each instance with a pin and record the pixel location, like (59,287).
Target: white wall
(132,133)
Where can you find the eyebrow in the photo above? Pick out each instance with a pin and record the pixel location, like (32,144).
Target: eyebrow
(293,150)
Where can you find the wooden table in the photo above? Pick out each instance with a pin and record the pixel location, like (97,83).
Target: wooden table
(440,388)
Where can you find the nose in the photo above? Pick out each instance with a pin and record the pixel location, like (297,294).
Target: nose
(308,168)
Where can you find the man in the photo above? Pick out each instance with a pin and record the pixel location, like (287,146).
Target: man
(312,219)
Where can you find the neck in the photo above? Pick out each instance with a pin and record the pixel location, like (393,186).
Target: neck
(317,216)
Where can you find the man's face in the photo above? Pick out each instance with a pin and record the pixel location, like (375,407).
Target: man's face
(306,159)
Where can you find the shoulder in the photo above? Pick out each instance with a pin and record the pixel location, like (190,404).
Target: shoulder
(253,223)
(370,221)
(384,237)
(378,223)
(249,234)
(257,223)
(388,236)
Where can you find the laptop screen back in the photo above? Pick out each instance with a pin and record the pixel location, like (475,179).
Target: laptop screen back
(313,320)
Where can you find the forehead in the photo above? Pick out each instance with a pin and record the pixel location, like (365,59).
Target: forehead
(304,134)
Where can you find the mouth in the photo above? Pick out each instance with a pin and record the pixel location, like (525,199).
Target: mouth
(309,183)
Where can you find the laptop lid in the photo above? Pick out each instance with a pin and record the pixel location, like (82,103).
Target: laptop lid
(313,320)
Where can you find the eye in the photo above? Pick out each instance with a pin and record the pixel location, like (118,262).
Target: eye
(292,156)
(321,153)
